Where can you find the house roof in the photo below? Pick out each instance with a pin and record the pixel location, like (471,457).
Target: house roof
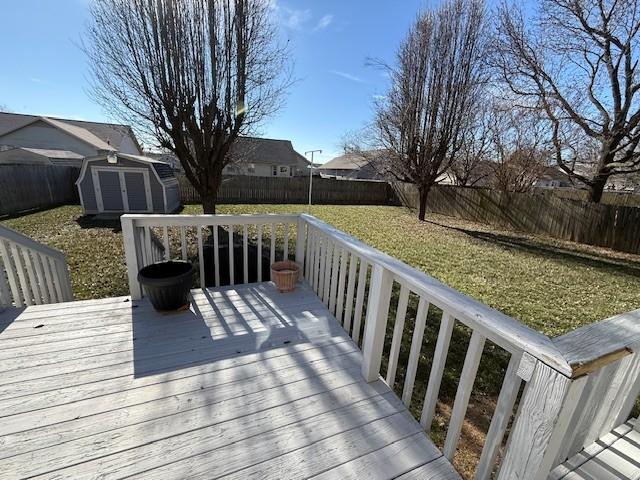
(104,136)
(554,173)
(266,151)
(52,153)
(348,161)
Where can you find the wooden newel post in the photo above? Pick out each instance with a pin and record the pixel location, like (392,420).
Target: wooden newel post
(542,422)
(131,256)
(301,237)
(376,322)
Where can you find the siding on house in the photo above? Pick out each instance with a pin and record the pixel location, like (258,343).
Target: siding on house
(42,135)
(119,137)
(127,145)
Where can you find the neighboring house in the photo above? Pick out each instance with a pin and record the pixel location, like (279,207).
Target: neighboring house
(40,156)
(628,183)
(260,157)
(63,136)
(166,157)
(350,166)
(480,174)
(554,177)
(120,183)
(266,157)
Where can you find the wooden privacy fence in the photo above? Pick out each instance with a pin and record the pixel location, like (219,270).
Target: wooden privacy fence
(248,189)
(30,187)
(611,226)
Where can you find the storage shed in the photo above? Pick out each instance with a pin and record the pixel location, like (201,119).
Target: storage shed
(119,183)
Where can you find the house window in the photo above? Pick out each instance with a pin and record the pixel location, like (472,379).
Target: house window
(274,171)
(291,172)
(284,170)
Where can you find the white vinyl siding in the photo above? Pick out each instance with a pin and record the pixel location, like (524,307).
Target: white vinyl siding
(41,135)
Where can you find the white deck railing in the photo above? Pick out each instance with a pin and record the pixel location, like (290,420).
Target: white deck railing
(576,387)
(31,273)
(188,240)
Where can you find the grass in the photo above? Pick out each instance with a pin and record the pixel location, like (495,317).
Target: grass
(553,286)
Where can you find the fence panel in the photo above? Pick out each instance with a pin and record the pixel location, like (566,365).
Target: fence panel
(30,187)
(612,226)
(249,189)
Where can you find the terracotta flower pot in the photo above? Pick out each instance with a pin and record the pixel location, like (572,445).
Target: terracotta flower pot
(285,275)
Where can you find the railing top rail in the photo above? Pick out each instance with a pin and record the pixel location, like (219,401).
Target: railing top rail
(494,325)
(589,347)
(154,220)
(27,242)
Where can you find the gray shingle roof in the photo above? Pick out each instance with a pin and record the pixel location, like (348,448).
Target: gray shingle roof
(348,161)
(266,151)
(53,153)
(101,135)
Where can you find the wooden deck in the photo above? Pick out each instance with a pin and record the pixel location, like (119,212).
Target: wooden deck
(616,456)
(249,383)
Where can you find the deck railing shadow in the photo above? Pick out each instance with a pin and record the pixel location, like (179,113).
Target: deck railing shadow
(556,396)
(7,317)
(204,334)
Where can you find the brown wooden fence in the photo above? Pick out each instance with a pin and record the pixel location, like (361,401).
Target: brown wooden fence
(612,226)
(31,187)
(248,189)
(622,199)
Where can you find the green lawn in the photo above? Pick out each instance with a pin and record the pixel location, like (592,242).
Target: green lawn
(552,286)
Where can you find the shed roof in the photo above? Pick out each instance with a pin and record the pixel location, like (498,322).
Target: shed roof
(101,135)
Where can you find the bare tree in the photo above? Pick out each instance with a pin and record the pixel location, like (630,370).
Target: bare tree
(193,74)
(471,165)
(433,89)
(578,61)
(519,145)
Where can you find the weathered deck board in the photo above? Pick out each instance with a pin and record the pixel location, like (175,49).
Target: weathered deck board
(616,456)
(248,383)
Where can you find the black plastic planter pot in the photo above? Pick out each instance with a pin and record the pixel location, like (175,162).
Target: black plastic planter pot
(167,284)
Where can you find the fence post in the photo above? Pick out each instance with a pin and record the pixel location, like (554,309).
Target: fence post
(542,422)
(376,321)
(301,237)
(131,256)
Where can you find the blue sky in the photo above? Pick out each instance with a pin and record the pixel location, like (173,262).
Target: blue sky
(44,71)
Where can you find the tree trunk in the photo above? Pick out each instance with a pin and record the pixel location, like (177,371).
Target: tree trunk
(209,192)
(596,188)
(424,193)
(208,203)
